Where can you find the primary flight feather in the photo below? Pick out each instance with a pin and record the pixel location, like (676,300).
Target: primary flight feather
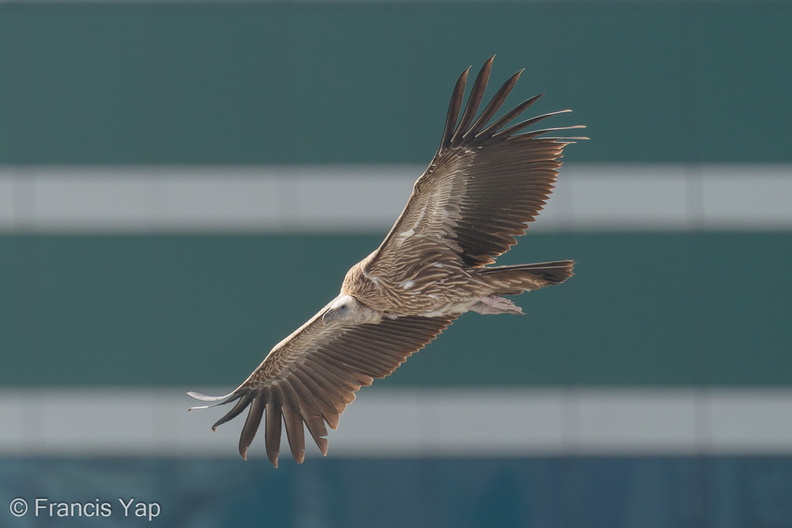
(488,180)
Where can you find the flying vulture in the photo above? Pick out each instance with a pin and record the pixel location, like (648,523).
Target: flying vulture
(487,182)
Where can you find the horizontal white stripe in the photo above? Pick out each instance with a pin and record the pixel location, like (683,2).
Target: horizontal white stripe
(367,199)
(416,422)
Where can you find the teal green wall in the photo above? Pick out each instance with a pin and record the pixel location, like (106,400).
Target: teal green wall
(279,82)
(670,309)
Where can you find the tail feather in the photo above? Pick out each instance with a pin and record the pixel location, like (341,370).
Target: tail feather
(511,280)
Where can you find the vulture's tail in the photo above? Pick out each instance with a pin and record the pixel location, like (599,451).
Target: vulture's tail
(511,280)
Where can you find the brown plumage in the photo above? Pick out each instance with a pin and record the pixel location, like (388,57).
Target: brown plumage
(486,183)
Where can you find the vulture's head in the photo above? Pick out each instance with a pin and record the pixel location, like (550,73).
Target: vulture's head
(346,310)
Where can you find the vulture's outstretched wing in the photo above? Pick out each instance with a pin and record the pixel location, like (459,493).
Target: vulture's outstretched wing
(484,185)
(312,375)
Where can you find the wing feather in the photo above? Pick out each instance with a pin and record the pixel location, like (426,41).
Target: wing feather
(497,101)
(308,379)
(346,378)
(311,412)
(508,117)
(236,410)
(453,109)
(476,95)
(252,421)
(334,386)
(322,392)
(293,420)
(274,424)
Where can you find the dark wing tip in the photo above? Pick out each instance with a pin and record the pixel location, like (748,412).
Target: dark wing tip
(453,109)
(470,132)
(252,422)
(474,101)
(244,397)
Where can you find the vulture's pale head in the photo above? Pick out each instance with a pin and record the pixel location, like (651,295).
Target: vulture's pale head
(347,310)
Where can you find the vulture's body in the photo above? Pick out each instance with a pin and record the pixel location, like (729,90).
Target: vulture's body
(484,185)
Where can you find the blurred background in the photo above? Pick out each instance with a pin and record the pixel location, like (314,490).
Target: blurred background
(182,184)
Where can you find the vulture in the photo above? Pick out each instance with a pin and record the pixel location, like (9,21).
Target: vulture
(487,182)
